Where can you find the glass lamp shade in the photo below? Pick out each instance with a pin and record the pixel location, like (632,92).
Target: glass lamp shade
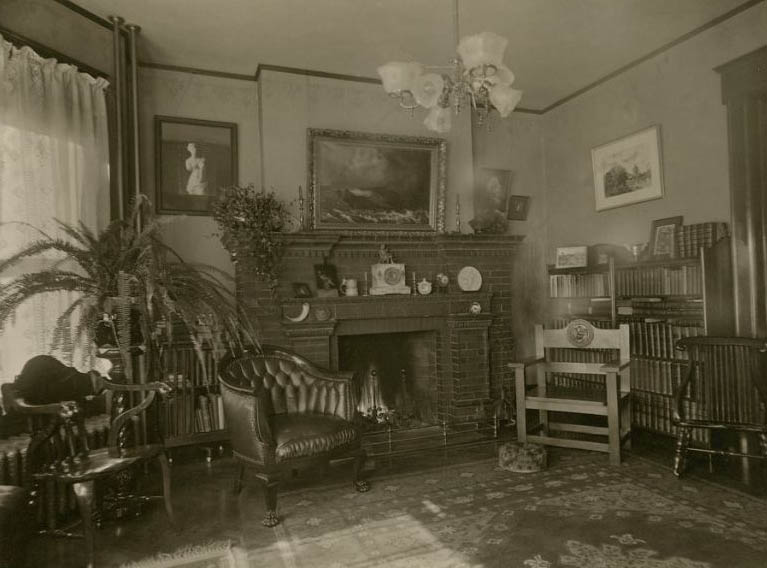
(485,48)
(505,99)
(399,76)
(427,89)
(438,120)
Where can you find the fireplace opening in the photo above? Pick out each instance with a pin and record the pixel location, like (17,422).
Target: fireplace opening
(395,377)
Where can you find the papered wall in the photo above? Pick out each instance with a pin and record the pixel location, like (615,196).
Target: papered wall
(172,93)
(678,90)
(51,24)
(292,103)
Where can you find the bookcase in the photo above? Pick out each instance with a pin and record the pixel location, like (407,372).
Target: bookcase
(193,413)
(662,301)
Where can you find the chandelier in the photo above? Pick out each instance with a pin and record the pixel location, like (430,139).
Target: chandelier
(476,77)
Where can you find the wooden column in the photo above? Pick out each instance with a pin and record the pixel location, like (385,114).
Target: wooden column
(744,91)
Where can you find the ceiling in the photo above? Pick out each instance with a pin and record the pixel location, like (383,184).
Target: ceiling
(556,47)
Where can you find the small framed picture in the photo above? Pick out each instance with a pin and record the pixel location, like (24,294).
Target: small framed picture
(194,159)
(518,207)
(572,257)
(628,170)
(327,280)
(663,237)
(301,290)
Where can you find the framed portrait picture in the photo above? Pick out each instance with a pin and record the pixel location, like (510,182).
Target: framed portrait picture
(301,290)
(194,159)
(492,188)
(326,276)
(663,234)
(572,257)
(628,170)
(376,182)
(519,205)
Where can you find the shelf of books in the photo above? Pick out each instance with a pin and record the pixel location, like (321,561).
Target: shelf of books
(662,301)
(193,413)
(583,292)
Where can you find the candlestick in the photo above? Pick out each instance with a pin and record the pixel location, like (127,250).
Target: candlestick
(300,208)
(457,213)
(365,289)
(413,289)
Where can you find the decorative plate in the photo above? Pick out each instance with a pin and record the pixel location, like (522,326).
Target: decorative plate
(469,279)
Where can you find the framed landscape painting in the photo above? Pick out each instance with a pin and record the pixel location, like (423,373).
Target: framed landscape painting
(194,159)
(628,170)
(376,182)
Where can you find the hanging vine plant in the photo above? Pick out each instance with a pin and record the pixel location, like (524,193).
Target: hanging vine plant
(249,222)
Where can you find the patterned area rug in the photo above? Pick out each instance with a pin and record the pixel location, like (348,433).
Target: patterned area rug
(578,513)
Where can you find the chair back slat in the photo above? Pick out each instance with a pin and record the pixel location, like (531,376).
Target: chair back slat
(727,378)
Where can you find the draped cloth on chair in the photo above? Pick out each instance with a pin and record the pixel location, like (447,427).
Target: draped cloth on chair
(54,163)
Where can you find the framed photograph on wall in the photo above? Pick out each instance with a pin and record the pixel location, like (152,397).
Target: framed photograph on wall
(376,182)
(194,159)
(572,257)
(663,234)
(492,189)
(628,170)
(519,205)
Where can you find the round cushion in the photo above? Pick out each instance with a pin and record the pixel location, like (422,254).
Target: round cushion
(522,458)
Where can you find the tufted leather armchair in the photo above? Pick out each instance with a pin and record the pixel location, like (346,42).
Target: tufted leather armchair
(285,414)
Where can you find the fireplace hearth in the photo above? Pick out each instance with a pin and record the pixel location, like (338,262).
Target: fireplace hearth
(428,361)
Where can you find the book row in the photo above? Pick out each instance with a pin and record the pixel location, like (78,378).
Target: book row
(658,339)
(579,285)
(653,411)
(656,376)
(198,369)
(682,280)
(189,414)
(690,238)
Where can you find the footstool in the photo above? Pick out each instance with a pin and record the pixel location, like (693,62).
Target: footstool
(522,458)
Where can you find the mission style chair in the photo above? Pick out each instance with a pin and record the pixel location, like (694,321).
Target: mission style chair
(580,372)
(286,414)
(724,389)
(58,451)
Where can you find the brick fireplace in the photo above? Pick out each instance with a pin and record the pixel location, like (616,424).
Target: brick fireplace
(464,360)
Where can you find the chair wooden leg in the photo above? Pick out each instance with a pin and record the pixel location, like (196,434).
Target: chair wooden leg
(237,485)
(270,497)
(613,419)
(359,463)
(682,440)
(763,443)
(165,467)
(84,494)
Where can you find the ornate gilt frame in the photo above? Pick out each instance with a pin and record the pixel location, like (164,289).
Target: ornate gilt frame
(437,189)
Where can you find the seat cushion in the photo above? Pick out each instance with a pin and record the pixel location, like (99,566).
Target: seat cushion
(306,435)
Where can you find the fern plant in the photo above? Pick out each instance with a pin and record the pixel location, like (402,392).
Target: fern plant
(121,270)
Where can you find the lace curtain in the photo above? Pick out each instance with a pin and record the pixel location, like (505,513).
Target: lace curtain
(54,164)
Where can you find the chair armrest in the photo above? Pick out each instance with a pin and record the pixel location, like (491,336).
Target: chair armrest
(159,386)
(527,362)
(616,365)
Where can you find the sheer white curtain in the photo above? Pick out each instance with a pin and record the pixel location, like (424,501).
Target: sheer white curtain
(54,163)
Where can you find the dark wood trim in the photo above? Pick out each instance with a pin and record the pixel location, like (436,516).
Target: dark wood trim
(196,71)
(312,73)
(47,52)
(342,77)
(744,76)
(88,15)
(85,13)
(708,25)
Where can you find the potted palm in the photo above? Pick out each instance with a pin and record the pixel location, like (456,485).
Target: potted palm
(128,280)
